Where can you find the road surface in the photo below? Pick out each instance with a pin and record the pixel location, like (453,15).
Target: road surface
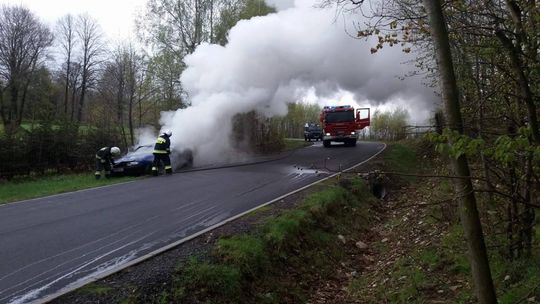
(53,244)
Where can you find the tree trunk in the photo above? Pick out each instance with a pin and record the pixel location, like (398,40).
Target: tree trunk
(523,83)
(81,99)
(66,89)
(2,111)
(11,122)
(73,101)
(470,219)
(130,122)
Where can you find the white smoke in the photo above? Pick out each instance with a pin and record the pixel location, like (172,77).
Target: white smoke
(280,58)
(145,136)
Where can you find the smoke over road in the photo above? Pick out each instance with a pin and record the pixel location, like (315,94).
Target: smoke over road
(280,58)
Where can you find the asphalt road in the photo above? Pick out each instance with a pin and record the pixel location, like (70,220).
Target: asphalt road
(52,244)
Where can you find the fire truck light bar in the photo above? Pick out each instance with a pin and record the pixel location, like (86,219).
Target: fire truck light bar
(336,108)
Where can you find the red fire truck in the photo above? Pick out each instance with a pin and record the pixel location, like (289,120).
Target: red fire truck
(340,124)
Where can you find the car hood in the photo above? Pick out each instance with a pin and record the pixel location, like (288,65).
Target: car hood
(147,155)
(136,157)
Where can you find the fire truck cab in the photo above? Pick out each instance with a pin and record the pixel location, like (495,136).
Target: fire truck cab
(342,123)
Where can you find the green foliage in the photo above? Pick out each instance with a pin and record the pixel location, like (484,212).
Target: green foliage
(505,149)
(389,125)
(455,145)
(230,15)
(246,252)
(164,69)
(52,147)
(298,115)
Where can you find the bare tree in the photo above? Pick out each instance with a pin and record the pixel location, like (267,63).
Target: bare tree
(134,74)
(68,40)
(23,42)
(74,85)
(179,26)
(122,86)
(90,37)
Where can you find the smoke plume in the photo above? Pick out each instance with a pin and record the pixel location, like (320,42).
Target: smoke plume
(280,58)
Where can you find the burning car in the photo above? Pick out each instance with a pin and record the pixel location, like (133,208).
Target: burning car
(139,161)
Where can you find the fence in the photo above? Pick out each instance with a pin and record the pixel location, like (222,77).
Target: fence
(416,131)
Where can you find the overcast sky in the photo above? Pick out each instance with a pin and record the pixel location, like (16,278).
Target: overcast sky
(116,17)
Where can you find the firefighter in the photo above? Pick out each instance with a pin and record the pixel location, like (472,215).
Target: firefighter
(105,161)
(162,149)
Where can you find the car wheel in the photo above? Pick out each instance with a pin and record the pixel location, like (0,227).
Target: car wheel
(326,143)
(147,169)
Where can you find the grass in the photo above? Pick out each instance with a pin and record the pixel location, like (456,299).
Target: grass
(95,289)
(49,185)
(201,277)
(280,231)
(259,212)
(402,158)
(293,144)
(247,252)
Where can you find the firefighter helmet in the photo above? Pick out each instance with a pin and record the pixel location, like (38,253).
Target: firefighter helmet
(167,132)
(115,151)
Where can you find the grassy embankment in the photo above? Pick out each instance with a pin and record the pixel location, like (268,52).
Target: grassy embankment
(425,260)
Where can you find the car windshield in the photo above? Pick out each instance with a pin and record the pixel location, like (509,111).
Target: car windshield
(339,116)
(140,150)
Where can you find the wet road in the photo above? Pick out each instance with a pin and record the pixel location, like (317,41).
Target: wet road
(52,244)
